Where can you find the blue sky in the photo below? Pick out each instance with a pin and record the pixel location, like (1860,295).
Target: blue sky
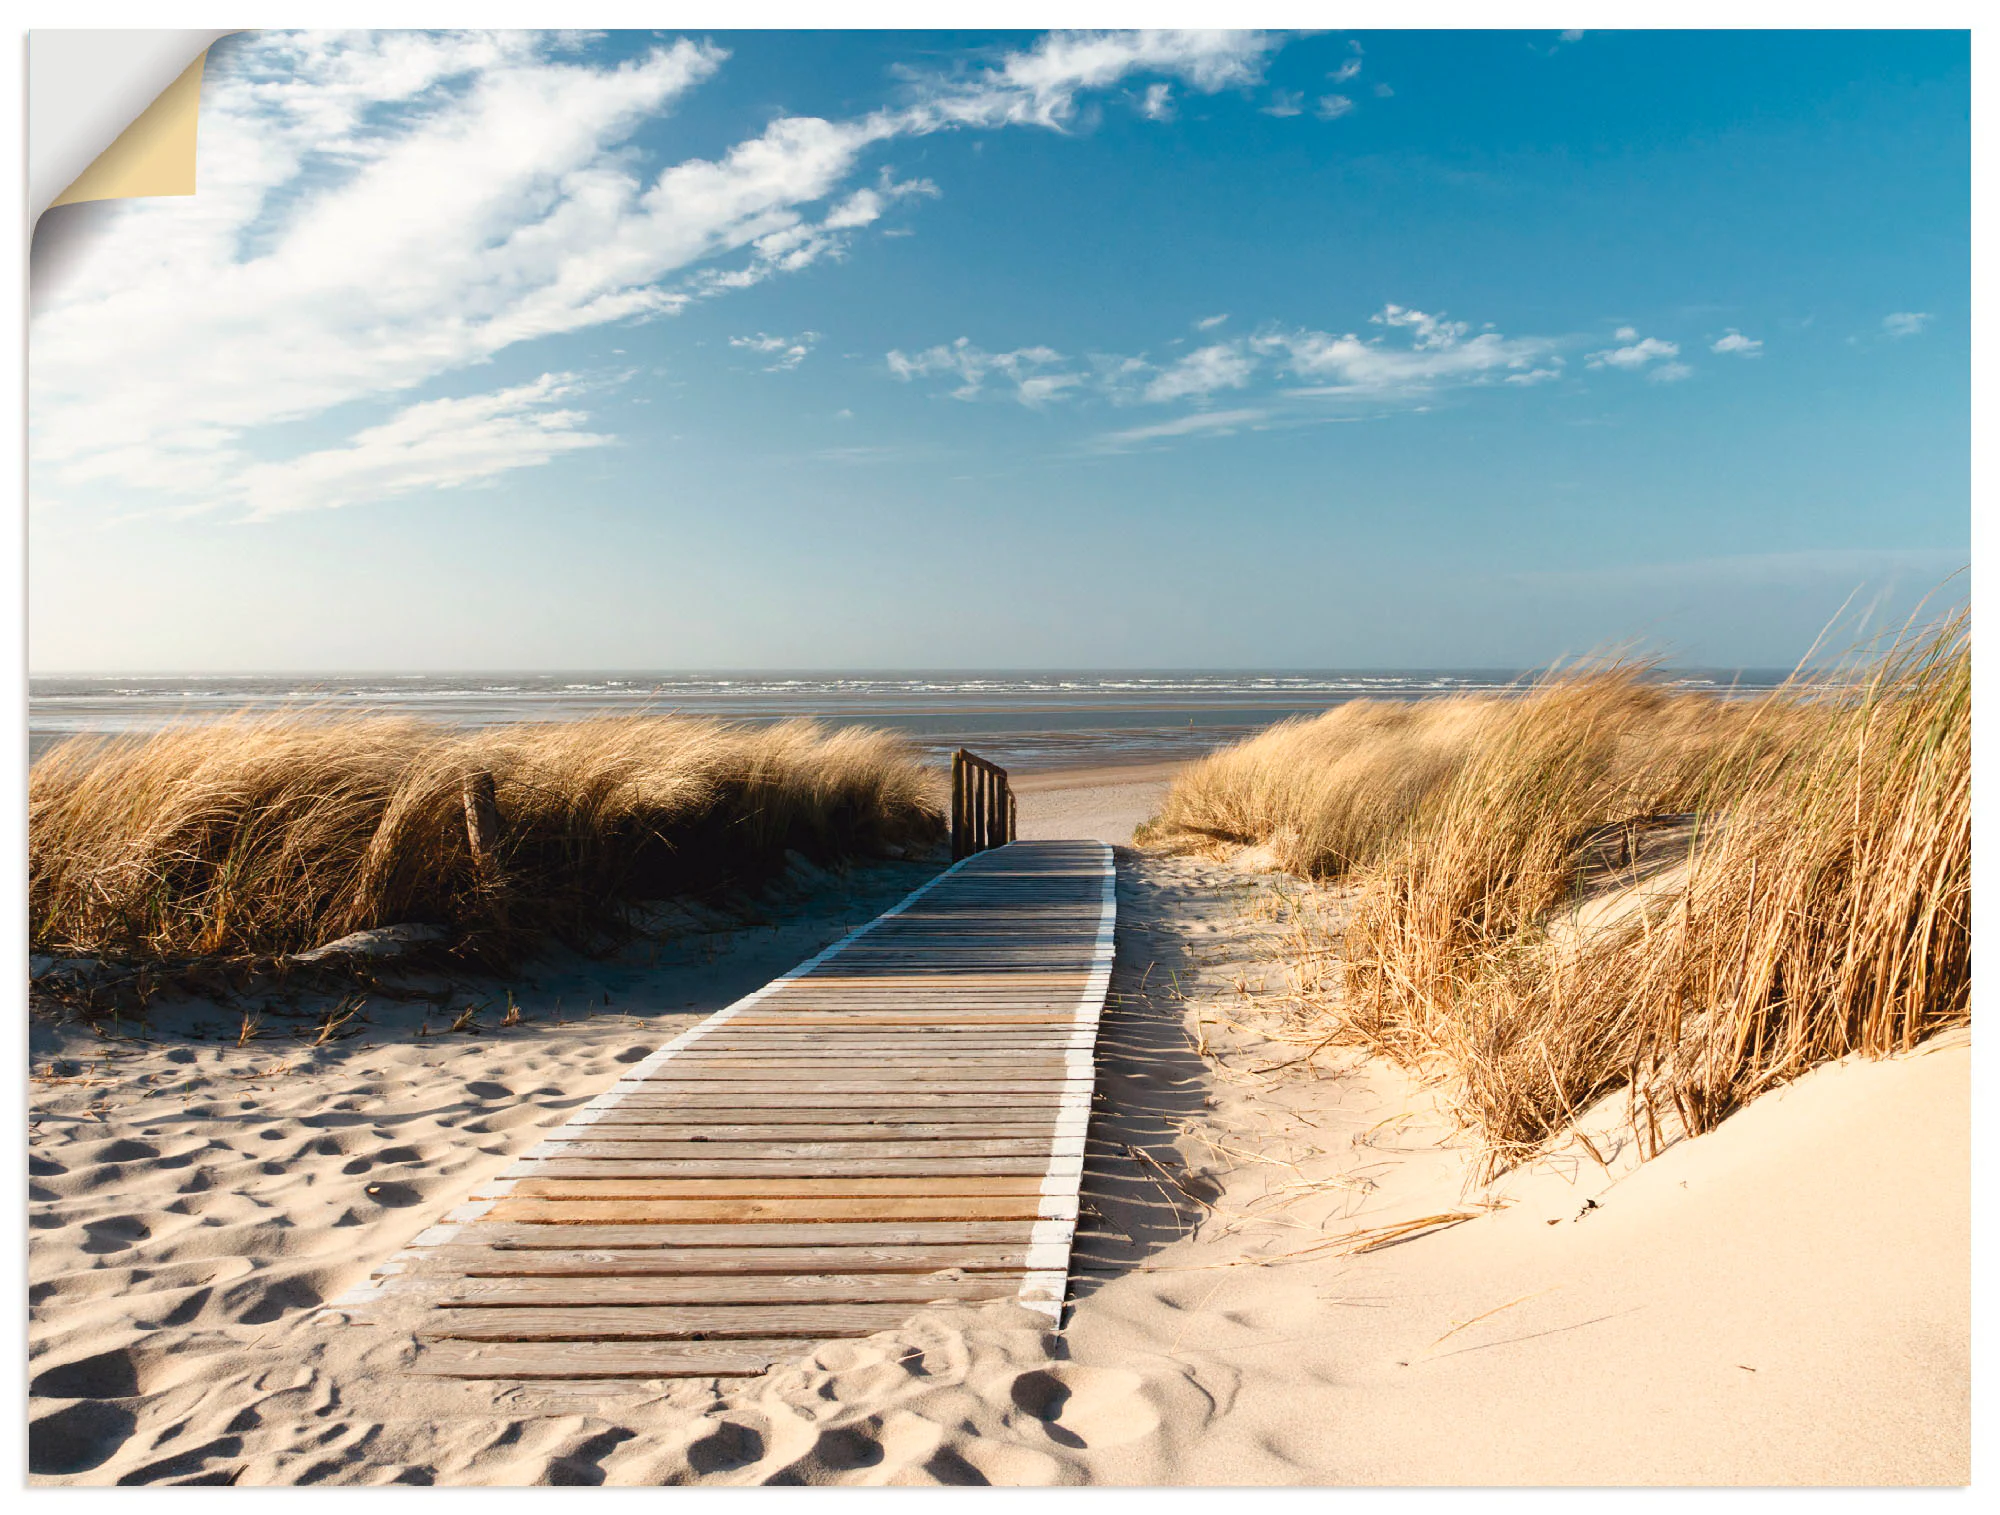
(1001,350)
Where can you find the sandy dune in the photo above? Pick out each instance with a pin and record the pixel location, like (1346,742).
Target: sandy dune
(1784,1300)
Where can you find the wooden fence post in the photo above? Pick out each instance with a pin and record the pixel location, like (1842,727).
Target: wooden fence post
(958,805)
(482,817)
(982,805)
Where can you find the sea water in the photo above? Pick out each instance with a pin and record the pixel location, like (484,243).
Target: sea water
(1019,719)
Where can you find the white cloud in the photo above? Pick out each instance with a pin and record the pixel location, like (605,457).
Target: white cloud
(1572,36)
(1332,107)
(1157,104)
(1285,102)
(439,444)
(1625,333)
(379,210)
(1417,354)
(1346,71)
(1734,341)
(785,353)
(1669,373)
(1040,86)
(1209,323)
(1201,373)
(1033,371)
(1204,422)
(1635,356)
(1440,352)
(1906,323)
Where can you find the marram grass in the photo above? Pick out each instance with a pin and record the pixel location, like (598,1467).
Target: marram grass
(1820,905)
(265,835)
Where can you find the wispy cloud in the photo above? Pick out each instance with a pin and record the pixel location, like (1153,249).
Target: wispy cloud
(439,444)
(1202,372)
(1437,352)
(381,210)
(1285,102)
(1209,323)
(1034,372)
(1332,107)
(1157,104)
(1292,375)
(1733,341)
(1906,323)
(1206,422)
(785,353)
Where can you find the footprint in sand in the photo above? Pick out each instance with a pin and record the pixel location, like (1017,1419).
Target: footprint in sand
(78,1437)
(1086,1407)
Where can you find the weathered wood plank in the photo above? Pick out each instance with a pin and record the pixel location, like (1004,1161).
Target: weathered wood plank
(940,1149)
(752,1211)
(678,1262)
(793,1107)
(759,1289)
(666,1122)
(661,1323)
(510,1236)
(750,1083)
(847,1173)
(588,1360)
(806,1185)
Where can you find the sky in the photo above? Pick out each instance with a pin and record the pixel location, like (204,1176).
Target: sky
(644,350)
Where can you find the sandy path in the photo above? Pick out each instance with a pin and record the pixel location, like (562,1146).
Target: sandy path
(1103,804)
(1784,1300)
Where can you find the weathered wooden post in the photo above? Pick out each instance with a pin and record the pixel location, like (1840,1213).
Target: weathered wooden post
(958,805)
(482,818)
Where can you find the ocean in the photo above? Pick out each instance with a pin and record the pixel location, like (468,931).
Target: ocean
(1020,719)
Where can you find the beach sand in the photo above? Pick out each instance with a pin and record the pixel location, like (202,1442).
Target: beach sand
(1784,1300)
(1102,804)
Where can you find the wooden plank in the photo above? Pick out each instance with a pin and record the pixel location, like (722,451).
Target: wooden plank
(743,1082)
(847,1173)
(588,1360)
(931,1105)
(751,1211)
(667,1122)
(662,1323)
(506,1236)
(940,1149)
(683,1262)
(757,1289)
(807,1185)
(727,1063)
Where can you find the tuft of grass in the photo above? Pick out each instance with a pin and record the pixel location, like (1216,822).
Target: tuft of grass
(1809,896)
(269,835)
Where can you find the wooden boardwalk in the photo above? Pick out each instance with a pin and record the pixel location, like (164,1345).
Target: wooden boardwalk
(897,1122)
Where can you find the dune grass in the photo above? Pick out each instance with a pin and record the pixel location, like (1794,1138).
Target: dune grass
(1821,906)
(253,836)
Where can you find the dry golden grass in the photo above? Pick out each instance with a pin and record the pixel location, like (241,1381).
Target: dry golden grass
(1819,904)
(1328,793)
(251,836)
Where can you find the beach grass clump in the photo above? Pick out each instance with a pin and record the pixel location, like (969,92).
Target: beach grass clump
(1334,794)
(1514,932)
(1326,794)
(267,835)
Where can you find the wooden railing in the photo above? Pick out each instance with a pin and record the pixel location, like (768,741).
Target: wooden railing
(982,805)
